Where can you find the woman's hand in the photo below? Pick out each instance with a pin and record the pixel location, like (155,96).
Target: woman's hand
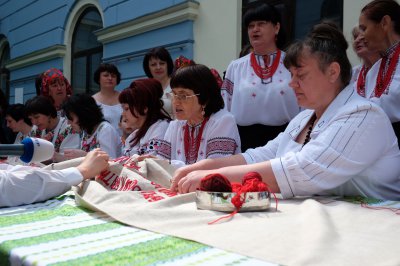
(94,163)
(73,153)
(189,182)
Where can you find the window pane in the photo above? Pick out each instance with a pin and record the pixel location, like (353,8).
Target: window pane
(79,74)
(84,37)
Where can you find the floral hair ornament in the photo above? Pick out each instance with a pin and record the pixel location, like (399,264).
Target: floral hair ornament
(49,76)
(182,61)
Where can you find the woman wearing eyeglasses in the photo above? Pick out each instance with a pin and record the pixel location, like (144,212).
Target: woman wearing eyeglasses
(142,109)
(202,129)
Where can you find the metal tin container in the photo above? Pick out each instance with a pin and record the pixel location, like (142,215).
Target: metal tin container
(221,201)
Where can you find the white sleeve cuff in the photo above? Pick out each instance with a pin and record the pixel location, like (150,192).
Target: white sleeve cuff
(282,178)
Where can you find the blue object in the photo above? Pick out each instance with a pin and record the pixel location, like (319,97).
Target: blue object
(28,150)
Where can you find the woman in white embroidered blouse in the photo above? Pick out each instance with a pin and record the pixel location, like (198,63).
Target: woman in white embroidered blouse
(342,145)
(86,118)
(202,129)
(255,89)
(380,27)
(51,127)
(143,110)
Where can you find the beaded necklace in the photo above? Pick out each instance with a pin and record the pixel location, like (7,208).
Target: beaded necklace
(191,143)
(361,81)
(308,136)
(265,72)
(383,80)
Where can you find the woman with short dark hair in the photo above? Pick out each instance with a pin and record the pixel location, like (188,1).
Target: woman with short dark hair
(18,122)
(158,64)
(51,127)
(202,129)
(143,110)
(108,77)
(255,89)
(86,118)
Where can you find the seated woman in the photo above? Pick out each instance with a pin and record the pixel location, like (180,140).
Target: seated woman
(18,122)
(142,109)
(342,145)
(55,129)
(202,129)
(55,86)
(86,118)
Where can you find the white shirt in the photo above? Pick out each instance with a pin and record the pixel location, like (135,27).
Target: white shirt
(252,102)
(390,99)
(104,137)
(147,144)
(220,138)
(63,137)
(353,151)
(112,113)
(25,185)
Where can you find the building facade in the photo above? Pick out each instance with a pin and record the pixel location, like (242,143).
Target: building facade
(77,35)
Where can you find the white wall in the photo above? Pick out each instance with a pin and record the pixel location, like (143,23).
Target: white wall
(351,13)
(217,33)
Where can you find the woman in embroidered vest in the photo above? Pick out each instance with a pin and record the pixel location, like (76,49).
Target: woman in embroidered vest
(367,57)
(108,77)
(142,109)
(255,89)
(342,145)
(380,27)
(157,64)
(55,86)
(202,129)
(51,127)
(86,118)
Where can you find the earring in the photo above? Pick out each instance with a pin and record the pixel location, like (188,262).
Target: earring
(202,111)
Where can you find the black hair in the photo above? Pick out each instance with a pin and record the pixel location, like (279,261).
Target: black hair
(17,112)
(40,105)
(160,53)
(269,13)
(106,67)
(200,80)
(86,109)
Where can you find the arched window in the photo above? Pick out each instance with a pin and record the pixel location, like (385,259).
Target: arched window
(4,72)
(86,52)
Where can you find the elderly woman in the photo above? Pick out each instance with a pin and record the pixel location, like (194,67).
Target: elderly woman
(157,64)
(202,129)
(55,86)
(86,118)
(51,127)
(108,77)
(142,109)
(367,57)
(255,89)
(343,144)
(380,27)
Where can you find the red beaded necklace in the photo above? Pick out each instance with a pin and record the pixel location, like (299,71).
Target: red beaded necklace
(382,82)
(361,81)
(191,143)
(267,71)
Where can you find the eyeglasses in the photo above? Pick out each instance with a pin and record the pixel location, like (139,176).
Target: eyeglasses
(180,97)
